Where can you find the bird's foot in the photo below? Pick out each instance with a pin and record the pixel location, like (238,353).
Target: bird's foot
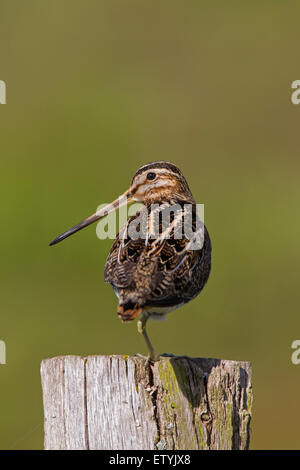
(167,355)
(141,356)
(153,357)
(174,356)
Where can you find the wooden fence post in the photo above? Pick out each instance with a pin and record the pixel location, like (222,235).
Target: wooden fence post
(122,402)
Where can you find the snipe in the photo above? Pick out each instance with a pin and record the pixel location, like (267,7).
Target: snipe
(159,270)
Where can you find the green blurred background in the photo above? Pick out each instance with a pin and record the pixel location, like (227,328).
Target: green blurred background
(95,89)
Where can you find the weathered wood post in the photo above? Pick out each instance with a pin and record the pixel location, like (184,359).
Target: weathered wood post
(121,402)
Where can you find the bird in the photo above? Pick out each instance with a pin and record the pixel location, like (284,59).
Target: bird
(151,268)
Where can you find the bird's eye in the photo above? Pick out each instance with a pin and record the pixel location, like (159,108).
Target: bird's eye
(151,176)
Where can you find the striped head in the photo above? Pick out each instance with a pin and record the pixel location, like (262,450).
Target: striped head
(158,182)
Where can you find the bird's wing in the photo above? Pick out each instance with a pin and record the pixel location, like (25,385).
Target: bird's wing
(181,271)
(158,272)
(121,262)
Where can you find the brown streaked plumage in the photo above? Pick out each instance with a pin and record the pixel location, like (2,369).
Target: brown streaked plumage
(154,275)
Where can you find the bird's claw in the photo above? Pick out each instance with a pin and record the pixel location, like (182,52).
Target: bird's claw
(141,356)
(167,355)
(151,359)
(174,356)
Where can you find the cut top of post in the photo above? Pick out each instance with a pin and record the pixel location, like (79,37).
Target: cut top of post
(122,403)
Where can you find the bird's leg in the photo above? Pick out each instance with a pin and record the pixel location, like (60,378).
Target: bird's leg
(141,326)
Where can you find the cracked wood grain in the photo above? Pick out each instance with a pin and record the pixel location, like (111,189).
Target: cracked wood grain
(122,403)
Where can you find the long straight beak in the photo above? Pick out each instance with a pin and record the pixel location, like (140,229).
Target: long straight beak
(119,202)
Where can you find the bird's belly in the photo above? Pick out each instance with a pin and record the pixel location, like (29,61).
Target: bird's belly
(159,313)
